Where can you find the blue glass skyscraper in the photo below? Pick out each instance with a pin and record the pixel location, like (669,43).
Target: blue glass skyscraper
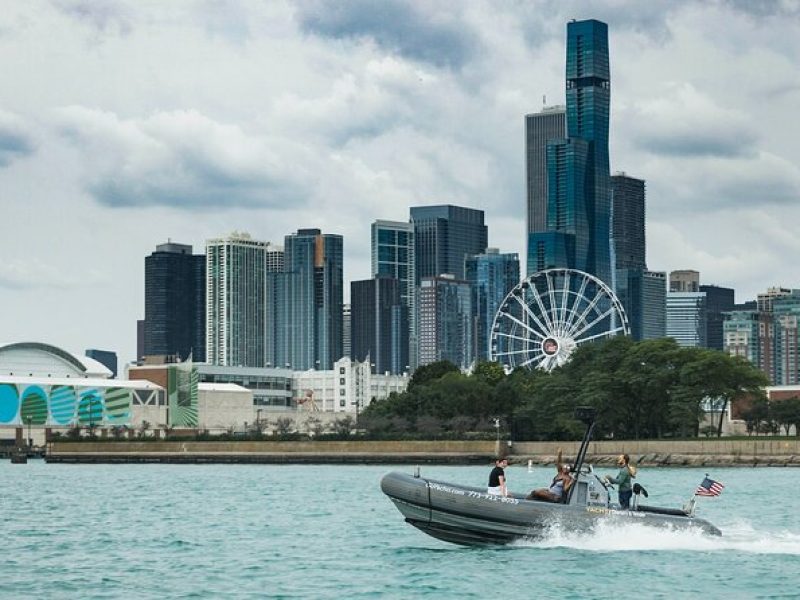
(491,276)
(304,321)
(577,233)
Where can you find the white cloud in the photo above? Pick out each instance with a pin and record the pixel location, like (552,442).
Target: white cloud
(182,159)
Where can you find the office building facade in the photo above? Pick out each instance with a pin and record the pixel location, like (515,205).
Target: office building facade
(643,294)
(444,237)
(394,255)
(541,127)
(174,303)
(686,318)
(379,325)
(491,276)
(719,300)
(628,221)
(445,321)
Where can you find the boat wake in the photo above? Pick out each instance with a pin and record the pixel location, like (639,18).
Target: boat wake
(617,537)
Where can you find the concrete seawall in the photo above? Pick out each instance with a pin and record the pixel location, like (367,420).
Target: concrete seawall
(754,452)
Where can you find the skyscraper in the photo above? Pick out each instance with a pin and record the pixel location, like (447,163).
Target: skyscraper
(306,320)
(394,255)
(628,223)
(236,269)
(718,301)
(445,316)
(491,276)
(379,324)
(540,127)
(643,294)
(577,230)
(445,236)
(686,318)
(174,303)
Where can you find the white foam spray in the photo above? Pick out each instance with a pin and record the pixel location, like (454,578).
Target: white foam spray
(615,537)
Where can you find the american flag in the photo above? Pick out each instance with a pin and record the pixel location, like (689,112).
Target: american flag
(709,487)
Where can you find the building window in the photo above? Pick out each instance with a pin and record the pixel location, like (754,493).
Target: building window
(341,392)
(341,370)
(341,381)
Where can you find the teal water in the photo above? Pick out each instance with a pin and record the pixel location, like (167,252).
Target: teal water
(252,531)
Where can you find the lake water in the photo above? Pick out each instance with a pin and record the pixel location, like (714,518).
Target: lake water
(254,531)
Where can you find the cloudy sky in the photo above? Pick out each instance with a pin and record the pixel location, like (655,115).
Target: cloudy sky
(124,124)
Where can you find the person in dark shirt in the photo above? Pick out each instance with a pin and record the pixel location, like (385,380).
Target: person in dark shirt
(497,479)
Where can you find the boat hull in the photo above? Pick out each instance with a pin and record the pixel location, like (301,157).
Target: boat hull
(470,516)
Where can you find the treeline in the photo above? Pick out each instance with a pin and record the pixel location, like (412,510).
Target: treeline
(641,390)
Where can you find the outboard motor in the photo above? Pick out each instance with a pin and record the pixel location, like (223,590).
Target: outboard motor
(638,489)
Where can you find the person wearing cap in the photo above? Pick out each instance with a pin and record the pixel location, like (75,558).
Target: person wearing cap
(623,480)
(497,479)
(560,485)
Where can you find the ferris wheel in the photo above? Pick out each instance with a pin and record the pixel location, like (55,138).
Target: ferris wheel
(549,314)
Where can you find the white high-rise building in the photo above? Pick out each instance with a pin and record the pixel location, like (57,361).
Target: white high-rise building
(236,268)
(686,318)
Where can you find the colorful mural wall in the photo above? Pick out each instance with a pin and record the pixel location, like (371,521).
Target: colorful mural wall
(64,405)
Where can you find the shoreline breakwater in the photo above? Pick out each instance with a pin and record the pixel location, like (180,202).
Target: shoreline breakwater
(694,453)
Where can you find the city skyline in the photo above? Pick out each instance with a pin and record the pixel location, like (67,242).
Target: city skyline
(125,125)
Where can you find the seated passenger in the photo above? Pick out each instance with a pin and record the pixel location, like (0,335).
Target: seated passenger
(558,488)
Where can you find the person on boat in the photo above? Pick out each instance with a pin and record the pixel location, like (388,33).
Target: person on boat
(559,486)
(623,480)
(497,479)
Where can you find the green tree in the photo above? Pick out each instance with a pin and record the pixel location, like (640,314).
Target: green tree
(756,413)
(719,376)
(786,414)
(430,372)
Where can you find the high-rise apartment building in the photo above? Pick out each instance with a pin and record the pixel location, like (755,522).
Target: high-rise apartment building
(445,321)
(577,229)
(394,255)
(492,276)
(236,300)
(305,323)
(740,331)
(785,315)
(379,325)
(766,333)
(174,303)
(541,127)
(686,318)
(445,236)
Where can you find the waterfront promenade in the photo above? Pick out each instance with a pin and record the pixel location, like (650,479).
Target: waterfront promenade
(713,452)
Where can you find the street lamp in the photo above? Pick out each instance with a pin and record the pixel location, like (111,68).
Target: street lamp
(30,439)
